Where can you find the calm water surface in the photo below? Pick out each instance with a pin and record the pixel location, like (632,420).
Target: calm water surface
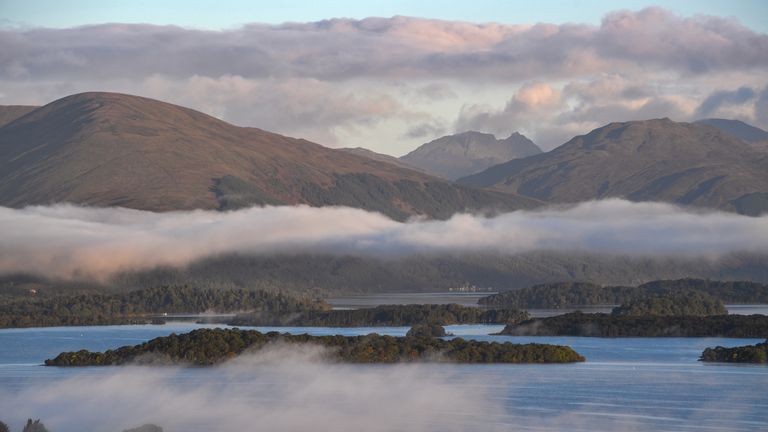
(626,384)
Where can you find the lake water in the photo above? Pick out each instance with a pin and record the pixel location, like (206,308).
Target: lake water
(626,384)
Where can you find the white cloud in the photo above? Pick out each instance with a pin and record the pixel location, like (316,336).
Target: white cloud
(67,241)
(339,81)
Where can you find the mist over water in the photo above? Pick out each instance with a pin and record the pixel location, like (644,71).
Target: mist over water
(66,241)
(282,390)
(635,384)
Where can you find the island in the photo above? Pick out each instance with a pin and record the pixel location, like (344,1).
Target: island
(249,307)
(682,303)
(387,315)
(609,325)
(207,347)
(144,306)
(427,330)
(757,353)
(574,294)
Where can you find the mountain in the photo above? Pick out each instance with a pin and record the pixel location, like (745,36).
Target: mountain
(108,149)
(737,128)
(455,156)
(370,154)
(9,113)
(653,160)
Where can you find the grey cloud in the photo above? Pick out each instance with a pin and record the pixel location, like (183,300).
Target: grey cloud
(717,99)
(761,108)
(375,47)
(425,130)
(603,114)
(66,241)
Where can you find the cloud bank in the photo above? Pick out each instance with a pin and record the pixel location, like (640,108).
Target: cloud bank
(374,82)
(65,241)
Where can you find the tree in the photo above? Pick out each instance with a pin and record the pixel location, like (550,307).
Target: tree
(34,426)
(4,427)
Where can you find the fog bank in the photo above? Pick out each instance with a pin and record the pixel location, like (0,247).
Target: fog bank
(66,241)
(283,389)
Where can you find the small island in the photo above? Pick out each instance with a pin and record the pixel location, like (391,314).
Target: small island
(144,306)
(385,315)
(207,347)
(427,330)
(683,303)
(574,294)
(250,307)
(608,325)
(757,353)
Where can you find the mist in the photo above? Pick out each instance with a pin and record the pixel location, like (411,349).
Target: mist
(66,241)
(282,389)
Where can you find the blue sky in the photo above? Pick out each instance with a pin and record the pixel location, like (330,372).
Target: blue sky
(227,14)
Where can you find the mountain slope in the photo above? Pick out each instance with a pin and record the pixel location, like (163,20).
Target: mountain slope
(459,155)
(9,113)
(653,160)
(370,154)
(107,149)
(737,128)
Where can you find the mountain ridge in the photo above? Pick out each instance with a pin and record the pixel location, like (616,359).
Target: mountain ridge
(651,160)
(110,149)
(458,155)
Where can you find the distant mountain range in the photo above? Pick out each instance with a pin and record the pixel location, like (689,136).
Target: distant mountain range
(654,160)
(107,149)
(455,156)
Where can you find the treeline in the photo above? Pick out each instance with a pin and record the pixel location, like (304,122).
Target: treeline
(605,325)
(570,294)
(690,303)
(757,353)
(387,315)
(206,347)
(38,426)
(134,306)
(31,426)
(325,274)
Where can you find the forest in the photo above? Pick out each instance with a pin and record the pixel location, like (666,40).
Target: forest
(136,306)
(389,315)
(675,303)
(606,325)
(573,294)
(757,353)
(206,347)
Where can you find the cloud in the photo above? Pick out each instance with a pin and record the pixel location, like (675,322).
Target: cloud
(339,81)
(525,106)
(717,99)
(398,46)
(282,390)
(428,131)
(66,241)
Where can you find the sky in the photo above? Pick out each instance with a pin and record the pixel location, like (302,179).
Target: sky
(390,76)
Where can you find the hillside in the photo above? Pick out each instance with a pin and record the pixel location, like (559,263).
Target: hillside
(9,113)
(459,155)
(107,149)
(653,160)
(737,128)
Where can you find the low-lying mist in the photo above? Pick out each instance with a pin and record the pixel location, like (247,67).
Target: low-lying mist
(66,241)
(283,389)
